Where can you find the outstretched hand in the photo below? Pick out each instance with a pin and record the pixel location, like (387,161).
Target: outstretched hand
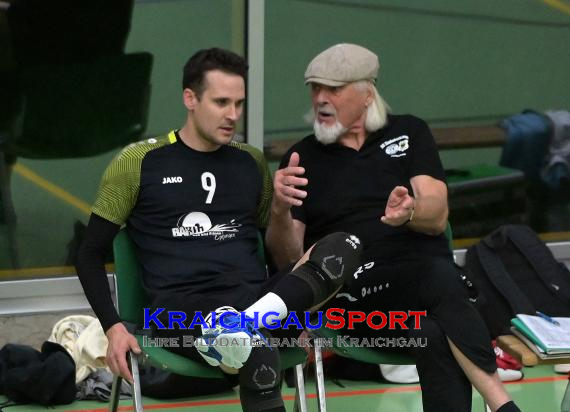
(120,343)
(285,185)
(399,207)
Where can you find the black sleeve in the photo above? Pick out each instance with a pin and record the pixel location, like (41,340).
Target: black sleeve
(90,267)
(424,159)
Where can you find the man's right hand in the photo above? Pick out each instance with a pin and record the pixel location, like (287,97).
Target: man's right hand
(120,343)
(286,180)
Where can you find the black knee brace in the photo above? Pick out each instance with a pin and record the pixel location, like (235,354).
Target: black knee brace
(332,262)
(260,379)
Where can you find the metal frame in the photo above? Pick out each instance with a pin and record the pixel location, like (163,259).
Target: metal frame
(255,58)
(320,376)
(33,296)
(117,382)
(300,394)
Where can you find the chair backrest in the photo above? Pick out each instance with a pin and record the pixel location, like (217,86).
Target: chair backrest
(131,295)
(261,249)
(449,235)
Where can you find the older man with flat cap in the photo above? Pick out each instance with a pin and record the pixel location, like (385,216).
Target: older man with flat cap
(379,176)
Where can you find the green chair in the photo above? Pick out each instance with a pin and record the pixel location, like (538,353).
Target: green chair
(131,299)
(367,355)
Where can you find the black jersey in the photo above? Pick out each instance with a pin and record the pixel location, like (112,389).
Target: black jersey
(194,216)
(348,189)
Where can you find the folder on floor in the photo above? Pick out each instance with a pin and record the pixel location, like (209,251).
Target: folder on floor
(549,338)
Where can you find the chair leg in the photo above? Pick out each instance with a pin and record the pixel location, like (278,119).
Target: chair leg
(319,376)
(137,396)
(115,393)
(300,395)
(565,406)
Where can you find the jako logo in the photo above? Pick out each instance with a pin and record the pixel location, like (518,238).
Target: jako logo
(173,179)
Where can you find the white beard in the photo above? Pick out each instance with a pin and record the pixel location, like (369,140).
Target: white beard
(328,134)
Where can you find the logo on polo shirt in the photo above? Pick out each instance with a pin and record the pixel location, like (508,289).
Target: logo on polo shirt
(198,224)
(396,147)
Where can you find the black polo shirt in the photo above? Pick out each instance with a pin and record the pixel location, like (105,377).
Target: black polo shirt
(348,189)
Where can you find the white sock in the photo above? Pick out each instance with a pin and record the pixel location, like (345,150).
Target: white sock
(268,303)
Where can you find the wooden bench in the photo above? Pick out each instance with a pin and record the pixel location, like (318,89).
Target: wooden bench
(521,352)
(445,138)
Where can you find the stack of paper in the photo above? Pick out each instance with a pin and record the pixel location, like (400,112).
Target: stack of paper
(546,337)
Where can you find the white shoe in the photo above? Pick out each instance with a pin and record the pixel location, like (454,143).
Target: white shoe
(229,344)
(400,373)
(509,375)
(562,368)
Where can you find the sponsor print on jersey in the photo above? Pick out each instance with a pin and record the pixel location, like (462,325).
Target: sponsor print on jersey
(198,224)
(396,147)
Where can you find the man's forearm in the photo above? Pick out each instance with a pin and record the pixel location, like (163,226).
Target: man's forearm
(429,215)
(283,239)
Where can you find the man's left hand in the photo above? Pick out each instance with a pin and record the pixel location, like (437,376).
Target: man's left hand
(399,208)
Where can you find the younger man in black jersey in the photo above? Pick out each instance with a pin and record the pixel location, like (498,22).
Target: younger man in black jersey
(379,176)
(193,202)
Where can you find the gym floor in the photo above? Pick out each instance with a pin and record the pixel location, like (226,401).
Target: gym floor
(541,390)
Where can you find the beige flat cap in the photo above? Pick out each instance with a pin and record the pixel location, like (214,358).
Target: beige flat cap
(341,64)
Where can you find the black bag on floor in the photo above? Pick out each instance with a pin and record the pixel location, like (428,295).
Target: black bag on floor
(46,377)
(515,272)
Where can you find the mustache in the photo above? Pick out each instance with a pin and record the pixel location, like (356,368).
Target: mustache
(312,112)
(326,109)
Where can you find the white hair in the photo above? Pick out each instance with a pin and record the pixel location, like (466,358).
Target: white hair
(325,134)
(377,111)
(328,134)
